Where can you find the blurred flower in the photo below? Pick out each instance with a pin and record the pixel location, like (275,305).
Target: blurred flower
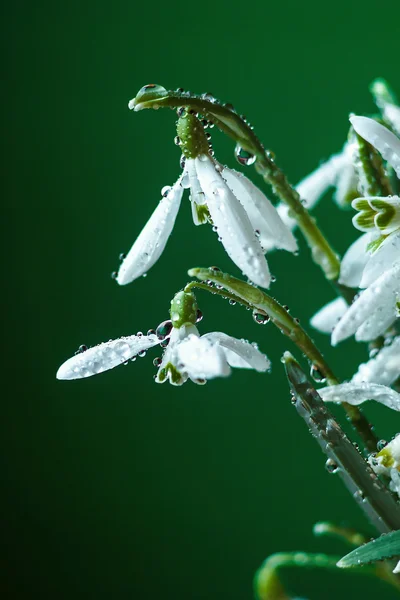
(386,142)
(383,367)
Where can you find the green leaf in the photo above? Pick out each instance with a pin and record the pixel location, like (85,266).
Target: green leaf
(386,546)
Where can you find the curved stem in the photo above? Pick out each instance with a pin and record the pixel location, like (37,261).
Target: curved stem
(289,326)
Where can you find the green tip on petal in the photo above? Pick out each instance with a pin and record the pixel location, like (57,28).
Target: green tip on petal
(184,309)
(147,97)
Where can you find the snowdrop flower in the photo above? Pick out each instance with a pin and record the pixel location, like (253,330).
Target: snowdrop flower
(386,101)
(186,354)
(336,172)
(387,463)
(243,217)
(386,142)
(370,262)
(374,311)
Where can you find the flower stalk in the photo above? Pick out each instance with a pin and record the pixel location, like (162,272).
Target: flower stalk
(262,303)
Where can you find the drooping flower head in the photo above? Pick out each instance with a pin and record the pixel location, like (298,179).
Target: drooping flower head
(186,354)
(244,219)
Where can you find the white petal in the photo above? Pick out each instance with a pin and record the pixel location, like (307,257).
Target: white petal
(326,318)
(382,259)
(170,354)
(233,224)
(384,368)
(200,358)
(105,356)
(391,113)
(153,238)
(382,293)
(377,323)
(355,259)
(312,187)
(261,212)
(357,393)
(381,138)
(197,197)
(397,568)
(345,186)
(240,353)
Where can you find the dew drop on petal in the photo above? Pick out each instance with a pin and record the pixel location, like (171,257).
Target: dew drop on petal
(243,157)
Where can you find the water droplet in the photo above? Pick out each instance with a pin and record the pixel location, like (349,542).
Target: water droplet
(331,466)
(164,343)
(214,270)
(179,90)
(164,329)
(139,334)
(157,361)
(182,161)
(260,318)
(82,348)
(142,353)
(232,302)
(181,111)
(317,375)
(177,140)
(381,444)
(165,191)
(122,256)
(151,332)
(229,106)
(208,96)
(199,316)
(243,157)
(114,275)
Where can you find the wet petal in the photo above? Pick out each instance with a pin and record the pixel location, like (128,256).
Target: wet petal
(381,294)
(391,113)
(261,212)
(169,369)
(377,323)
(153,238)
(312,187)
(382,259)
(105,356)
(357,393)
(233,224)
(201,359)
(381,138)
(384,368)
(240,353)
(355,259)
(326,318)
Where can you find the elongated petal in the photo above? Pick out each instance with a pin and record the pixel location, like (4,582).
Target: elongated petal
(377,323)
(384,368)
(201,359)
(233,224)
(382,293)
(240,353)
(355,259)
(357,393)
(346,186)
(326,318)
(105,356)
(391,112)
(381,138)
(153,238)
(261,212)
(312,187)
(386,255)
(169,369)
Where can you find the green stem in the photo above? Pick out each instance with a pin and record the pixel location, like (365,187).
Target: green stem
(260,302)
(239,129)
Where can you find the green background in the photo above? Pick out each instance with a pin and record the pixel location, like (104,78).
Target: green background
(115,487)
